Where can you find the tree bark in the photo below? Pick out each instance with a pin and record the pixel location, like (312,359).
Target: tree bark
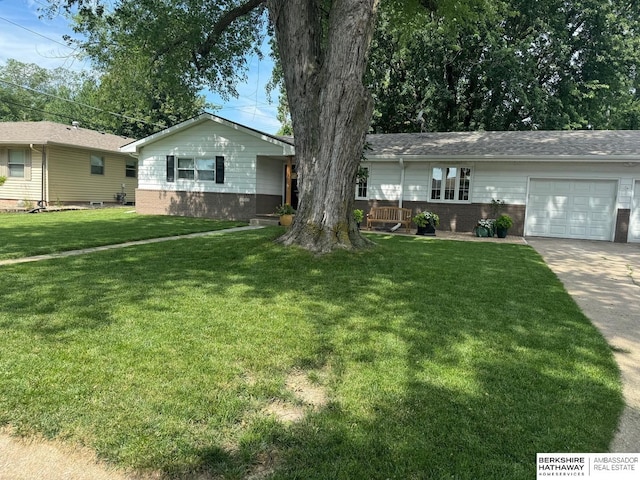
(324,58)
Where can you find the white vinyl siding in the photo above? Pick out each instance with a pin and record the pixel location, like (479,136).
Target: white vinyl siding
(207,140)
(270,176)
(567,208)
(384,181)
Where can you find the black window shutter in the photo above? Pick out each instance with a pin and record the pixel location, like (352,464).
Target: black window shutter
(171,168)
(219,169)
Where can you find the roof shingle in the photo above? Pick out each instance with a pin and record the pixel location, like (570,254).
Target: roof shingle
(508,144)
(43,133)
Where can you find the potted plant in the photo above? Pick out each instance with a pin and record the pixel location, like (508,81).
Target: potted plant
(502,224)
(427,223)
(358,216)
(484,228)
(286,213)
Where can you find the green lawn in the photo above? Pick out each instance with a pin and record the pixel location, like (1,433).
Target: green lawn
(23,234)
(440,359)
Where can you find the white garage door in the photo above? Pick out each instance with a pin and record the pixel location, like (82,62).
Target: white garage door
(634,224)
(571,209)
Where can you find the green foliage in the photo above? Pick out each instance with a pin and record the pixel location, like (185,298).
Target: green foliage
(497,206)
(2,180)
(522,65)
(157,55)
(358,215)
(172,361)
(424,218)
(285,209)
(125,101)
(503,221)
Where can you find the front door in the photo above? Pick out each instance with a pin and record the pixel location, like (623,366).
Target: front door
(294,186)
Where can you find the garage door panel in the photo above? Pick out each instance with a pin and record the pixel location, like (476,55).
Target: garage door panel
(600,217)
(571,208)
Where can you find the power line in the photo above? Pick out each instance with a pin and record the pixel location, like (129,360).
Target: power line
(46,113)
(36,33)
(82,104)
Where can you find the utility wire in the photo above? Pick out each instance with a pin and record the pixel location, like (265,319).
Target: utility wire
(93,125)
(36,33)
(82,104)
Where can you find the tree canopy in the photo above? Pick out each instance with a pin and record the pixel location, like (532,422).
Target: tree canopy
(546,64)
(130,105)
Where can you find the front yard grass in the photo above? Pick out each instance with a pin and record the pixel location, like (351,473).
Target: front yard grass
(439,359)
(24,234)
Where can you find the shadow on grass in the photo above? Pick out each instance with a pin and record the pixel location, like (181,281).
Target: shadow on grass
(445,359)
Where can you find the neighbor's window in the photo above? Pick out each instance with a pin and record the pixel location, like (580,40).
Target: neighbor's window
(186,168)
(97,165)
(130,169)
(450,184)
(17,161)
(361,183)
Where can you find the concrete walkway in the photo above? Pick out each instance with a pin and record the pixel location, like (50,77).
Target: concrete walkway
(604,280)
(71,253)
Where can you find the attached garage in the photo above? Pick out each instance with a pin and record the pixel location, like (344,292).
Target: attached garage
(582,209)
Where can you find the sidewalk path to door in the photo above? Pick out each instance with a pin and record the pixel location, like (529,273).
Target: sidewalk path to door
(604,280)
(71,253)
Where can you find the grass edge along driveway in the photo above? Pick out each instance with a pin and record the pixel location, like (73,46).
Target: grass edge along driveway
(437,359)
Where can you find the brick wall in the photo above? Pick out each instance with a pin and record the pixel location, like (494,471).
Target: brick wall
(224,206)
(455,217)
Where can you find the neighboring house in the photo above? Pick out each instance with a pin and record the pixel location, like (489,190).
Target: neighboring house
(568,184)
(48,163)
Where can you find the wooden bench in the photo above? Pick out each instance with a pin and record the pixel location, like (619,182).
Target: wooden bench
(389,215)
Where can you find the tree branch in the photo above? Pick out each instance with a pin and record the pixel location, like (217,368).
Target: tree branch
(227,19)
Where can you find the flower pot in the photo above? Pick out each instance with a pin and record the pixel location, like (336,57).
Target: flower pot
(428,230)
(501,232)
(482,232)
(285,220)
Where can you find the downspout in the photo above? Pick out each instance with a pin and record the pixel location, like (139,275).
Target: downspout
(402,167)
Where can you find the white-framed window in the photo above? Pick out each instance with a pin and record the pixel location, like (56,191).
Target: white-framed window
(97,165)
(201,169)
(206,169)
(450,184)
(362,179)
(17,162)
(186,168)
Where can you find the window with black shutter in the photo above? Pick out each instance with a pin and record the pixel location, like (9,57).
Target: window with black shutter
(219,169)
(171,168)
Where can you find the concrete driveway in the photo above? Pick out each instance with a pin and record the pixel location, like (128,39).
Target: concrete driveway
(604,280)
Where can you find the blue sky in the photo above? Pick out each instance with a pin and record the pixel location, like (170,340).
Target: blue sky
(30,39)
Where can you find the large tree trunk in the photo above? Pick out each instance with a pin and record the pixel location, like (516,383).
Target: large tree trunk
(324,61)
